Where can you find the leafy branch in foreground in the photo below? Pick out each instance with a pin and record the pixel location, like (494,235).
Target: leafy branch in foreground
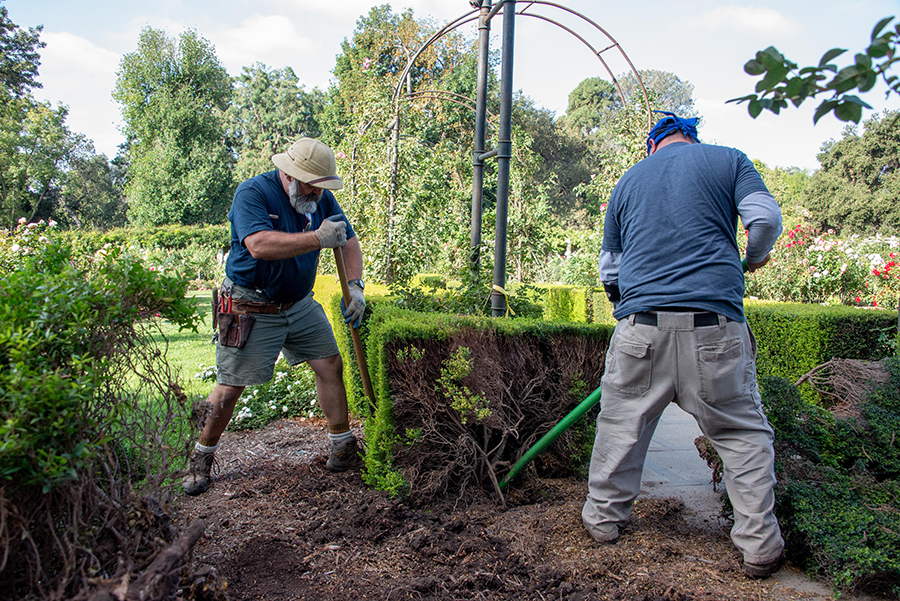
(782,82)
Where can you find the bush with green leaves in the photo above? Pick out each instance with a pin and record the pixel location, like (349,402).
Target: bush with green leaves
(471,297)
(91,421)
(838,492)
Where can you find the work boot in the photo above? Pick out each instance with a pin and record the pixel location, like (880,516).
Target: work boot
(605,534)
(347,458)
(761,571)
(198,478)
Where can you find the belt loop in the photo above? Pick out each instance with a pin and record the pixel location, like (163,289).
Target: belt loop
(631,319)
(723,321)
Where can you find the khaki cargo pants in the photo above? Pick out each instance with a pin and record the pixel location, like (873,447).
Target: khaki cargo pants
(710,372)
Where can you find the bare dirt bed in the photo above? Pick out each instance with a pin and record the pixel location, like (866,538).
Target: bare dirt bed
(279,526)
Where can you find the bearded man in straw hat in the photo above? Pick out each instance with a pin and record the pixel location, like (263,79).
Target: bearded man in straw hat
(280,221)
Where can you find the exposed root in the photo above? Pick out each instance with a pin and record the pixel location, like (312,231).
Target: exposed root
(845,383)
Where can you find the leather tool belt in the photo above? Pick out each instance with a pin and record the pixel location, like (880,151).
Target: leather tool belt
(244,306)
(233,319)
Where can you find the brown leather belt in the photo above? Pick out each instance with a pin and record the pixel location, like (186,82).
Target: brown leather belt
(243,306)
(701,319)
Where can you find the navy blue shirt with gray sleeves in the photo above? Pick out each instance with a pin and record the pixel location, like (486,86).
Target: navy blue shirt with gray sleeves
(669,238)
(260,204)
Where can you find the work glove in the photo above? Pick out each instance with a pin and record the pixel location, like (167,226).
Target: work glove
(354,311)
(333,232)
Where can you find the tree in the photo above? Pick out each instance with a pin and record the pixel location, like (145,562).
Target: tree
(19,57)
(566,156)
(667,91)
(590,103)
(411,219)
(782,81)
(269,110)
(857,190)
(173,95)
(91,195)
(624,147)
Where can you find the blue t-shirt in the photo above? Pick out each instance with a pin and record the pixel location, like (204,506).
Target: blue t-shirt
(260,204)
(673,217)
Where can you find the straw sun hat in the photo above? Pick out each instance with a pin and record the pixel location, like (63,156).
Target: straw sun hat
(311,162)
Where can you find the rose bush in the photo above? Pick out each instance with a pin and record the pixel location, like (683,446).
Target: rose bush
(812,267)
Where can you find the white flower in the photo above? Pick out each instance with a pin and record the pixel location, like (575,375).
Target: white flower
(22,220)
(15,248)
(284,408)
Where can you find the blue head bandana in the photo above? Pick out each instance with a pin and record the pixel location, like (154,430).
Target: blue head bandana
(670,124)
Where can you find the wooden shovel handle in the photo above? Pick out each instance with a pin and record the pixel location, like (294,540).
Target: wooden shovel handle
(354,332)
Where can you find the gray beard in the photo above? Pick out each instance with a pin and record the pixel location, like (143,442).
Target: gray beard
(303,203)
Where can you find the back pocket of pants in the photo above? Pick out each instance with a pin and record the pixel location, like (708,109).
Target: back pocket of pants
(722,373)
(628,366)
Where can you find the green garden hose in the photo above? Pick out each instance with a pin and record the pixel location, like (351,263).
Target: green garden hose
(550,436)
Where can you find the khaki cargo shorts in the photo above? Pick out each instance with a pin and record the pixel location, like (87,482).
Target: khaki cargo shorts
(302,333)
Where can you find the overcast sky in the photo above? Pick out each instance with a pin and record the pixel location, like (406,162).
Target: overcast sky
(701,41)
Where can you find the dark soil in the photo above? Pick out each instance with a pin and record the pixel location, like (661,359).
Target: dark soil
(279,526)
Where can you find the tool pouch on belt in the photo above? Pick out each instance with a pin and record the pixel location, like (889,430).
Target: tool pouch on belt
(234,329)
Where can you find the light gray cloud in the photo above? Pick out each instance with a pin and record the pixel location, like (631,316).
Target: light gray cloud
(81,75)
(274,40)
(751,19)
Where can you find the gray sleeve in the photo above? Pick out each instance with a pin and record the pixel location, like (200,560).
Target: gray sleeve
(761,217)
(609,267)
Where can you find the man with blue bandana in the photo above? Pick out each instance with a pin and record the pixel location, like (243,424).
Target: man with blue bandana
(671,265)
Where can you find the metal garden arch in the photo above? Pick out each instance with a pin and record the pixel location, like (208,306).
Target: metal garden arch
(483,13)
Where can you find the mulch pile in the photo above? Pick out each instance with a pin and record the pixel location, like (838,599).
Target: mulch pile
(279,526)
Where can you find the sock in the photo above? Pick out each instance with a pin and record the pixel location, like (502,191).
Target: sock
(339,428)
(205,449)
(340,440)
(209,441)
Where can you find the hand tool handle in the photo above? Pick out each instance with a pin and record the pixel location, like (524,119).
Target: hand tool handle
(354,332)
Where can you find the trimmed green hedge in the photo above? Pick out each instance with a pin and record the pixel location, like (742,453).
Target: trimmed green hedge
(794,338)
(174,237)
(387,326)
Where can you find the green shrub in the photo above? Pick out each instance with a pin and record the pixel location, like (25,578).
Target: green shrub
(90,421)
(794,338)
(838,491)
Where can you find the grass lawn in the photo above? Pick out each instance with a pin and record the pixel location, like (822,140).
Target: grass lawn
(188,352)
